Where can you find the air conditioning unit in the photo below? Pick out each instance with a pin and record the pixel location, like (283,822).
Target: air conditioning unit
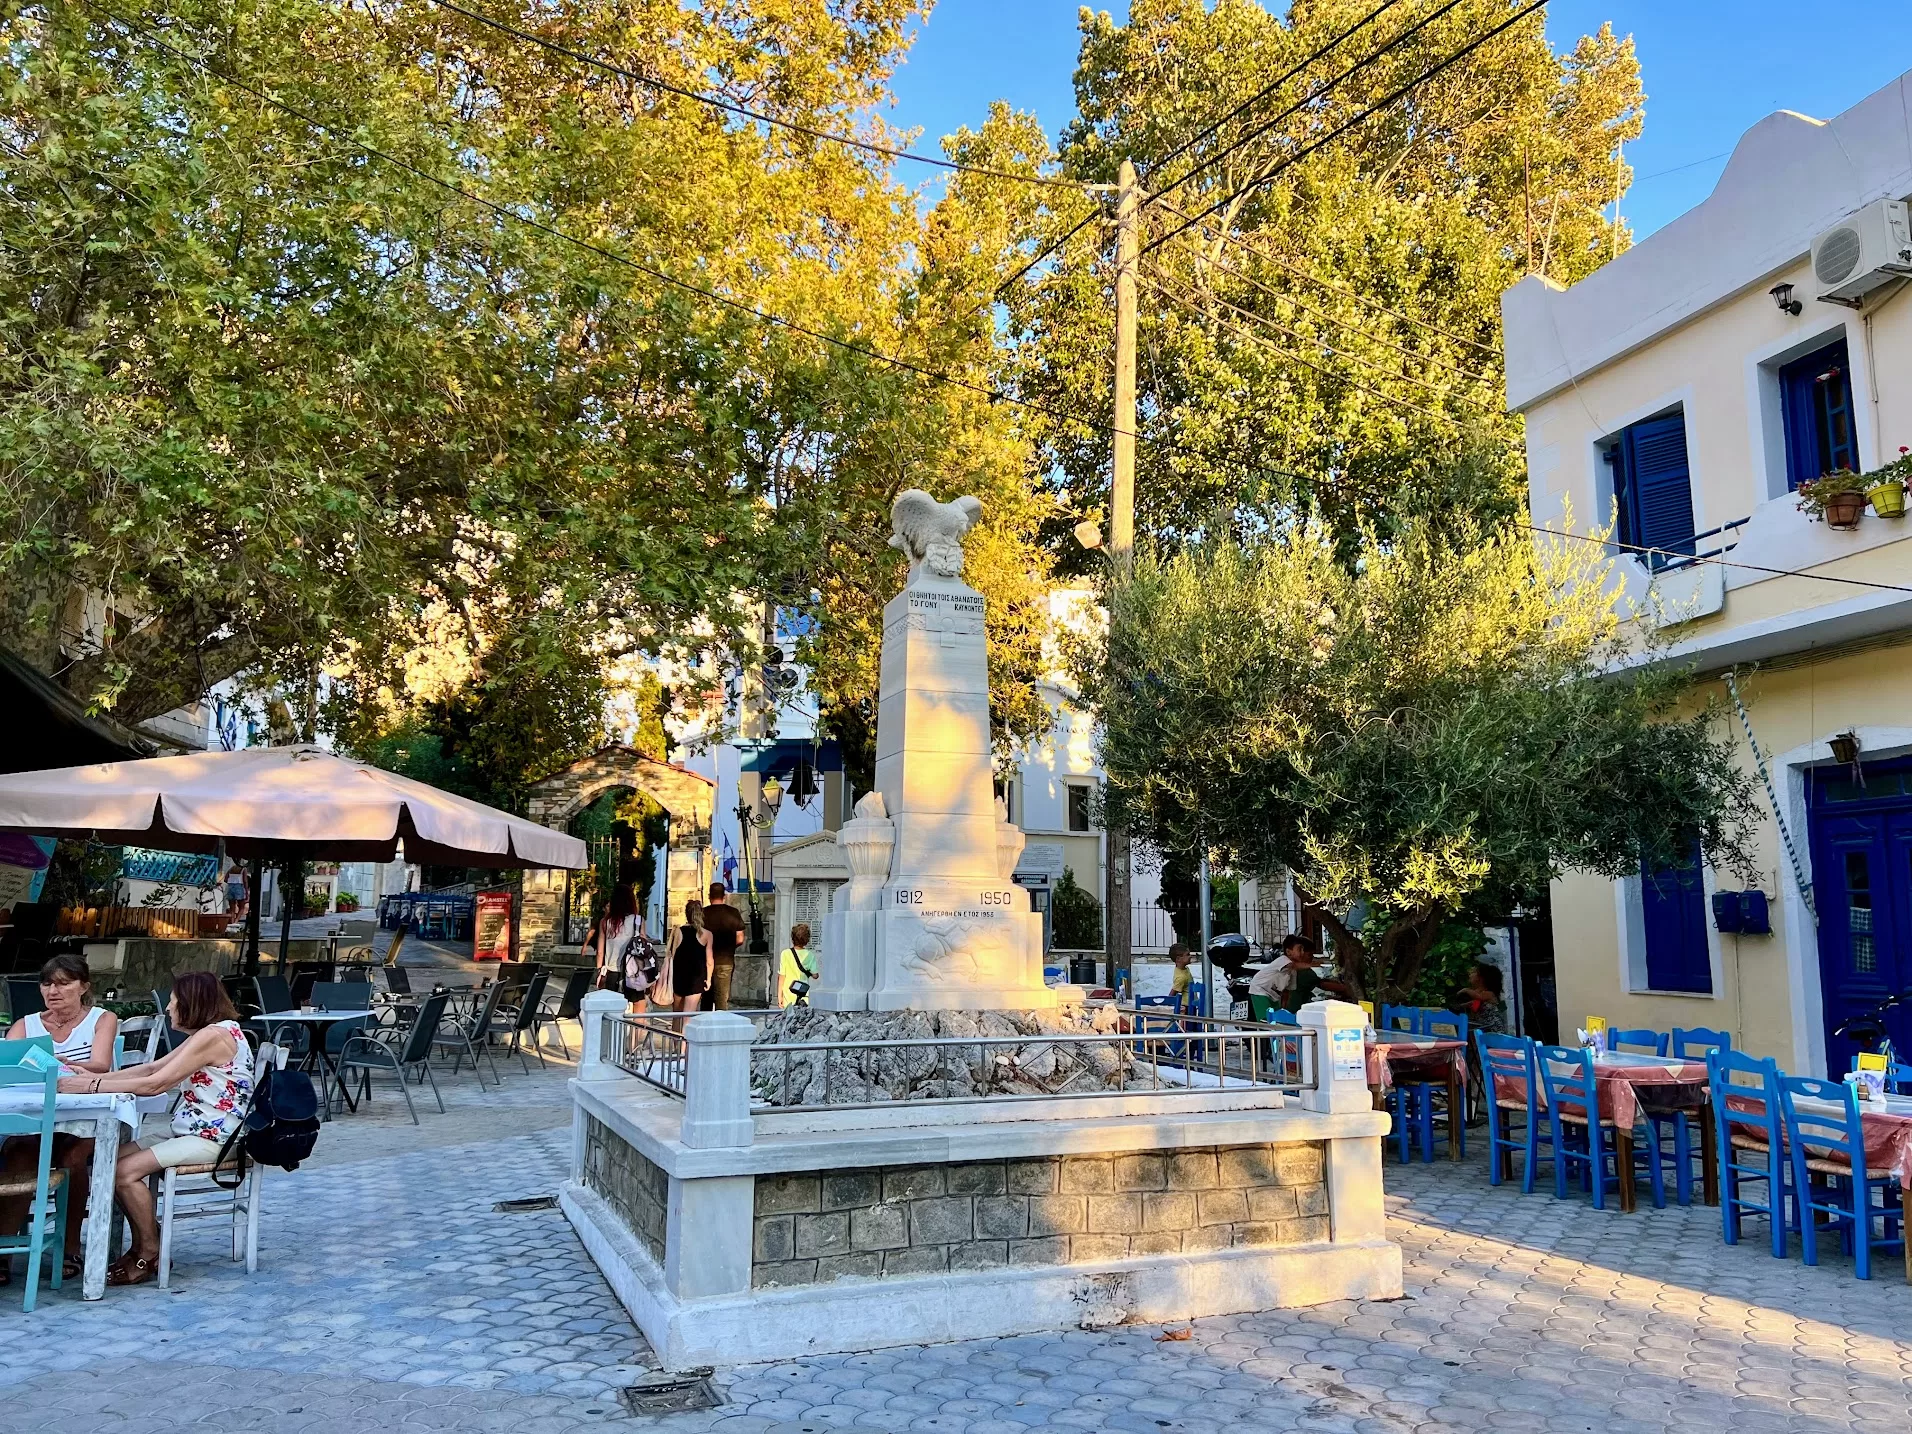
(1863,253)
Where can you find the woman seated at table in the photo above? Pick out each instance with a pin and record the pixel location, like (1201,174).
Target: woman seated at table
(82,1035)
(213,1068)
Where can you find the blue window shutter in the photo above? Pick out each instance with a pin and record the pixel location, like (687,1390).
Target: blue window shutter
(1802,435)
(1659,485)
(1673,905)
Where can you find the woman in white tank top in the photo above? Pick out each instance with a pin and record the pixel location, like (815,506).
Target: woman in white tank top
(82,1036)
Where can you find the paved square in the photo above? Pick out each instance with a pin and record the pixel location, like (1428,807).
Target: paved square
(391,1295)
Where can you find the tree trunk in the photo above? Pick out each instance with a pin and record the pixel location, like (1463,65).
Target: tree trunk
(1387,970)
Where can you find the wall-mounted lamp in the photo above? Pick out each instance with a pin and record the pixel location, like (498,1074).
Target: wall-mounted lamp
(1845,748)
(1783,296)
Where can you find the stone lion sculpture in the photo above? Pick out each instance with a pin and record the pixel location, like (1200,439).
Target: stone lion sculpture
(931,533)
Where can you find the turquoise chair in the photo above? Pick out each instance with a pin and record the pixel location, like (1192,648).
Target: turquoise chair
(1829,1172)
(1637,1042)
(1511,1060)
(46,1185)
(1749,1124)
(13,1052)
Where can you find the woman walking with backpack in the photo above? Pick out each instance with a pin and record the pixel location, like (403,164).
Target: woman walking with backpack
(213,1068)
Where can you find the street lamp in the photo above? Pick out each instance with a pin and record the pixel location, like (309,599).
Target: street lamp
(748,825)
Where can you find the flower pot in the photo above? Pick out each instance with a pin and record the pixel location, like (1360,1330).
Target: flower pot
(1888,500)
(1844,510)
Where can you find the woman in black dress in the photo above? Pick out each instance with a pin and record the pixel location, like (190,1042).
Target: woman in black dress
(691,959)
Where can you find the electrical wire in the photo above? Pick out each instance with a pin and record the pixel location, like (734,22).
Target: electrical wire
(1280,297)
(1208,131)
(1385,397)
(1360,117)
(988,391)
(744,111)
(1320,91)
(1191,304)
(1718,561)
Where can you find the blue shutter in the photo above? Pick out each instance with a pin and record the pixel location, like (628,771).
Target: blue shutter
(1659,496)
(1673,904)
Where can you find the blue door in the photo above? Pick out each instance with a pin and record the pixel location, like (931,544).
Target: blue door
(1862,886)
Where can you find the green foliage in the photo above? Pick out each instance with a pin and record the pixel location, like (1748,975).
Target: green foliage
(1327,342)
(1449,959)
(1075,915)
(1438,728)
(283,406)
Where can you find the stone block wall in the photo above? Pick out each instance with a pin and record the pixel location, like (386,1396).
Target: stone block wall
(1058,1210)
(631,1185)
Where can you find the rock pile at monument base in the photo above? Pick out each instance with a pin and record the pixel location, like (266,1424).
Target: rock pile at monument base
(887,1072)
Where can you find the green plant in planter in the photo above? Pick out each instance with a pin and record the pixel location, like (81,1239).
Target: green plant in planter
(1886,485)
(1838,497)
(127,1010)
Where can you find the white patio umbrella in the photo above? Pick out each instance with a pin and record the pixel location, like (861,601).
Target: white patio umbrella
(278,804)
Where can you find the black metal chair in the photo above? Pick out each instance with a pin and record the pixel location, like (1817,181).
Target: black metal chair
(516,1023)
(364,1054)
(467,1035)
(570,1003)
(23,996)
(398,980)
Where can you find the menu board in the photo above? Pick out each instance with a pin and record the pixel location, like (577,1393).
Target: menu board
(491,927)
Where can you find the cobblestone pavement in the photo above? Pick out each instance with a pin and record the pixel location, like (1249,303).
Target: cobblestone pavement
(392,1296)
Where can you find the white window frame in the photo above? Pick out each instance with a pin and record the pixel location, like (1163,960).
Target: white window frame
(1630,909)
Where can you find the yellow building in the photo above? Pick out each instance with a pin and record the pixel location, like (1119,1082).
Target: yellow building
(1682,392)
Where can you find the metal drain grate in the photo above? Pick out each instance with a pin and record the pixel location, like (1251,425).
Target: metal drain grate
(524,1207)
(671,1394)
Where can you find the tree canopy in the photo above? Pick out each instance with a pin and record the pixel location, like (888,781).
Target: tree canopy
(1328,337)
(1437,729)
(278,402)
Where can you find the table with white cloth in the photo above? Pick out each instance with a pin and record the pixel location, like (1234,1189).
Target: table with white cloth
(98,1117)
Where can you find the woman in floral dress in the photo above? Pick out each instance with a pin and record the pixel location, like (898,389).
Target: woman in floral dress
(212,1068)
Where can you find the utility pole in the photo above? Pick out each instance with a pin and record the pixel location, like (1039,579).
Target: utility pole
(1116,909)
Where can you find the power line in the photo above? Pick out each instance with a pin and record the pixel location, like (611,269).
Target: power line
(1187,302)
(1718,561)
(1265,91)
(1360,117)
(1280,297)
(1250,241)
(506,212)
(1321,90)
(744,111)
(1385,397)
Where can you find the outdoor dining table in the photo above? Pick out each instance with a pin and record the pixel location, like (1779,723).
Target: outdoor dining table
(99,1118)
(1423,1056)
(315,1023)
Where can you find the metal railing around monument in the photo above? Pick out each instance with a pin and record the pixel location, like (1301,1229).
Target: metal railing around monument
(1161,1053)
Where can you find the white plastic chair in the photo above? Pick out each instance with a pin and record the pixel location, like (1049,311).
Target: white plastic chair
(212,1200)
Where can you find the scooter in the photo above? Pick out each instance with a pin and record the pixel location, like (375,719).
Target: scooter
(1868,1028)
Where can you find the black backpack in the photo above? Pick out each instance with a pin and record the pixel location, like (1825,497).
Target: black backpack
(280,1128)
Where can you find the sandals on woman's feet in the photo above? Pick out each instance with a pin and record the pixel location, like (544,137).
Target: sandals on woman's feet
(132,1270)
(72,1267)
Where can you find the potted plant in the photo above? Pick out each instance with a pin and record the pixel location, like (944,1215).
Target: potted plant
(1839,497)
(1885,487)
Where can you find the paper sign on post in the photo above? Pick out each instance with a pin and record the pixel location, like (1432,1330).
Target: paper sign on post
(1350,1054)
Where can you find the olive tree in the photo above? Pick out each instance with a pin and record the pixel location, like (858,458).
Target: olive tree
(1438,727)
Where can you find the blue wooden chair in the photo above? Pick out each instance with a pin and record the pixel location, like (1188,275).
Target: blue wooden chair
(1580,1137)
(1510,1060)
(1750,1127)
(1402,1018)
(1830,1145)
(29,1063)
(1149,1024)
(1637,1042)
(1693,1044)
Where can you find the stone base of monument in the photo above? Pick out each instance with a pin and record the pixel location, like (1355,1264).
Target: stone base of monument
(736,1234)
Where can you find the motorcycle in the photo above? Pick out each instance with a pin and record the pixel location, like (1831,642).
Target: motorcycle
(1868,1029)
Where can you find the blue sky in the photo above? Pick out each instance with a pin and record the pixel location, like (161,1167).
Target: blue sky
(1710,69)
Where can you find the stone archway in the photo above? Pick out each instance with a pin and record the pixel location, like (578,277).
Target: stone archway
(555,800)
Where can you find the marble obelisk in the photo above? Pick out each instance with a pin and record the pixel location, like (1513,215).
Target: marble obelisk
(930,919)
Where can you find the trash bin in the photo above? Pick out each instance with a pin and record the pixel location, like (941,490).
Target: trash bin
(1082,970)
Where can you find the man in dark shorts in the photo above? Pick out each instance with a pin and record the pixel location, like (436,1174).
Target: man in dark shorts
(725,923)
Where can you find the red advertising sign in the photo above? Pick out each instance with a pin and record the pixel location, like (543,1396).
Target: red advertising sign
(491,927)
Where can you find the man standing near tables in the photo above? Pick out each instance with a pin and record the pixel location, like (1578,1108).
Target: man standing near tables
(726,927)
